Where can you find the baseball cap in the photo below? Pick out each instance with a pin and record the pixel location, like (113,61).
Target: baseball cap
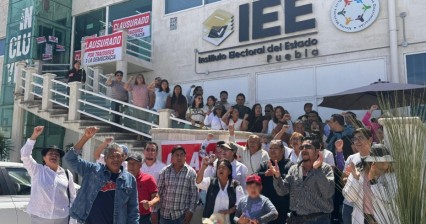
(254,179)
(230,146)
(134,156)
(125,149)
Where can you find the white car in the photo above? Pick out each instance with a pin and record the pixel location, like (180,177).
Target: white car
(15,190)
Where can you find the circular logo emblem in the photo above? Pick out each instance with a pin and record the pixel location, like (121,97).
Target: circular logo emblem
(354,15)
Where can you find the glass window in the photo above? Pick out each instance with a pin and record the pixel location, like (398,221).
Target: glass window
(416,68)
(2,46)
(21,180)
(210,1)
(126,9)
(92,23)
(178,5)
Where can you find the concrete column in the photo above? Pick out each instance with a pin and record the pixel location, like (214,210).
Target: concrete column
(164,118)
(18,74)
(74,105)
(122,65)
(96,71)
(17,132)
(47,94)
(28,80)
(38,65)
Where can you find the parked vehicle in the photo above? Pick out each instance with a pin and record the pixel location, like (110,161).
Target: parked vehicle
(15,190)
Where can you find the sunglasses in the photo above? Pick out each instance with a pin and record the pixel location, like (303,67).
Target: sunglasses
(118,75)
(267,111)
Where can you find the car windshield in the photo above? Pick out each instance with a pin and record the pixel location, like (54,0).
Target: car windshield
(21,180)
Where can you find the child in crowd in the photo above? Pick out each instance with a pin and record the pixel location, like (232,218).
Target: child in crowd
(255,208)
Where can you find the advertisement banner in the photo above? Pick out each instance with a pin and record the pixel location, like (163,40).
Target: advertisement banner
(53,39)
(137,25)
(41,40)
(192,149)
(77,55)
(103,49)
(60,48)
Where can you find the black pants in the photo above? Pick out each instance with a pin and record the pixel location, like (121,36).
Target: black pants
(115,117)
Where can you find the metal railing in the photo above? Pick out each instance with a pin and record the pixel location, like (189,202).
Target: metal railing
(37,85)
(129,117)
(60,93)
(184,124)
(139,48)
(61,70)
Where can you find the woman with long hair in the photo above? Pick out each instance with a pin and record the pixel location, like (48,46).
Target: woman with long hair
(214,119)
(256,121)
(139,90)
(195,114)
(52,187)
(223,192)
(280,117)
(232,117)
(211,102)
(178,103)
(161,94)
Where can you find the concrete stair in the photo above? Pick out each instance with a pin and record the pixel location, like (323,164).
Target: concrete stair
(59,115)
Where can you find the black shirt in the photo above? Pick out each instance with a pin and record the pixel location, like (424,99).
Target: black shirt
(281,203)
(102,210)
(256,124)
(76,76)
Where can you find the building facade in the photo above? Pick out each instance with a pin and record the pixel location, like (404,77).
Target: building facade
(283,52)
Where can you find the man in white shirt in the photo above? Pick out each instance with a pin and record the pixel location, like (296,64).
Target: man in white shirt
(150,164)
(252,156)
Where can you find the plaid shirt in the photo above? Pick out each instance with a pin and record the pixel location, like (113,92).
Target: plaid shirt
(177,191)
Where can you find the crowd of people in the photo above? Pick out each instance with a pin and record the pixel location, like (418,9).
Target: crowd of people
(305,173)
(295,171)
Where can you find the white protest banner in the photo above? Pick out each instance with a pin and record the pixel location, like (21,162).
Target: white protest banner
(103,49)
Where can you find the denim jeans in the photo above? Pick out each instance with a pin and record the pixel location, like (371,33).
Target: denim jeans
(347,214)
(145,219)
(169,221)
(325,219)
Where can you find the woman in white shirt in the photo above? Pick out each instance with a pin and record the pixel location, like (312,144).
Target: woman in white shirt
(214,119)
(231,117)
(52,187)
(223,193)
(195,113)
(161,94)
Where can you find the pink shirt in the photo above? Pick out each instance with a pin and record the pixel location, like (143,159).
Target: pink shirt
(140,95)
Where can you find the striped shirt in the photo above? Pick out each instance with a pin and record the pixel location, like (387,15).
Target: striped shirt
(314,194)
(177,191)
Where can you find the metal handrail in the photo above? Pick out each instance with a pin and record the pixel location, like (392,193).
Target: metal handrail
(185,122)
(55,64)
(120,102)
(138,54)
(139,39)
(130,43)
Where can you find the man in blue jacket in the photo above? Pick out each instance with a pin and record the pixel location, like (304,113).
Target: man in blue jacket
(108,194)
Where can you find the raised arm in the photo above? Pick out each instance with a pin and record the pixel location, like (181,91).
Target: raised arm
(281,185)
(73,159)
(325,178)
(97,153)
(29,163)
(109,80)
(225,117)
(200,175)
(280,134)
(367,116)
(128,86)
(189,95)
